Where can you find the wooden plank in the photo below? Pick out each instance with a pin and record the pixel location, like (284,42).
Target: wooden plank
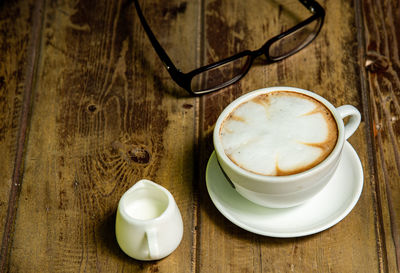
(328,67)
(383,69)
(18,44)
(105,115)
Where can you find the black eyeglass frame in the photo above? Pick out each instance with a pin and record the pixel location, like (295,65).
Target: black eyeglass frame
(184,79)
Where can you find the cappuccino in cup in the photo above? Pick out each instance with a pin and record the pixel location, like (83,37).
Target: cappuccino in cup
(280,146)
(279,133)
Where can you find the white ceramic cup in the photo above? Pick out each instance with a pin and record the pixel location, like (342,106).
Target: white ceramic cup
(148,224)
(290,190)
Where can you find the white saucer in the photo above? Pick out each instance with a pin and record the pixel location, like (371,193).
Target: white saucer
(323,211)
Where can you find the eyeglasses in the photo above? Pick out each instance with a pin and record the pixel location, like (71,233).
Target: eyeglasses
(220,74)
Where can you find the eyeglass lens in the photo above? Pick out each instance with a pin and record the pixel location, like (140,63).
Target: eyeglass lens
(294,41)
(220,75)
(230,72)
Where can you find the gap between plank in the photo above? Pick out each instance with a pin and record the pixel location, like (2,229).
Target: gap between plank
(371,152)
(33,52)
(198,145)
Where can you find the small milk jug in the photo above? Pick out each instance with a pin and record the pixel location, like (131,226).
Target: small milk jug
(148,224)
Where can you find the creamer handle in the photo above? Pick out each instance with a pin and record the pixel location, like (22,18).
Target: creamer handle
(152,242)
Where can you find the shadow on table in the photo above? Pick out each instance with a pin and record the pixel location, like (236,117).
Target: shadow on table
(106,233)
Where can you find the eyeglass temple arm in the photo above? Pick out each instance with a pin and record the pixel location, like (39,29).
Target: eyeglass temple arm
(173,71)
(311,4)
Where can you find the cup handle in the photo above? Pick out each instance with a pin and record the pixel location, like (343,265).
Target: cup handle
(354,121)
(151,235)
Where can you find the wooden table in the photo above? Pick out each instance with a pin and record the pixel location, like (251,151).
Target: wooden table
(87,110)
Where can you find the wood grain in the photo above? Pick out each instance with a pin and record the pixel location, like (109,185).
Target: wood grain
(328,67)
(382,64)
(87,110)
(101,121)
(18,55)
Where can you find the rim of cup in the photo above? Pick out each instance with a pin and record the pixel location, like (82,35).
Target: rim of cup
(285,178)
(153,186)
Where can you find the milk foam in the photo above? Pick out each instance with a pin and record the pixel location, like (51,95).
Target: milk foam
(279,133)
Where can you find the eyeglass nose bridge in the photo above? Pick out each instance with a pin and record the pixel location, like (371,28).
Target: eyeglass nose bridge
(264,50)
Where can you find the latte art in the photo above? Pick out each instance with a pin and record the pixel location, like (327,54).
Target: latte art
(279,133)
